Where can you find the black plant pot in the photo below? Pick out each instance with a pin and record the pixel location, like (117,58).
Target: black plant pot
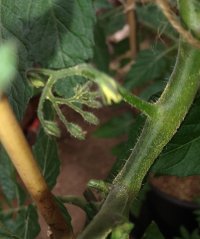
(168,212)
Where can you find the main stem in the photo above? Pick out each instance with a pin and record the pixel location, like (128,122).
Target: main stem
(13,140)
(172,107)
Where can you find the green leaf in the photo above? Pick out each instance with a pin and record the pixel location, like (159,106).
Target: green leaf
(55,33)
(7,176)
(116,126)
(19,95)
(102,4)
(101,54)
(112,21)
(27,223)
(181,155)
(65,87)
(60,32)
(11,27)
(8,56)
(122,231)
(46,153)
(63,209)
(19,92)
(118,149)
(23,225)
(152,90)
(150,16)
(185,234)
(150,64)
(8,182)
(153,232)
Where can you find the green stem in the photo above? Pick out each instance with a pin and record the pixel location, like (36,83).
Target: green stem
(87,207)
(191,14)
(111,90)
(172,107)
(60,114)
(44,96)
(74,200)
(144,106)
(62,101)
(46,72)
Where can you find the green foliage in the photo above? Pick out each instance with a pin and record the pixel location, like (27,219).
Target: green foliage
(152,18)
(109,91)
(150,65)
(63,210)
(153,232)
(187,235)
(101,4)
(47,34)
(112,21)
(64,25)
(101,53)
(46,153)
(59,34)
(8,177)
(122,232)
(115,127)
(50,34)
(82,96)
(24,225)
(8,64)
(100,186)
(73,82)
(181,155)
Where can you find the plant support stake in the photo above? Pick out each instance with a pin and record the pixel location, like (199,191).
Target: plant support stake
(13,140)
(131,19)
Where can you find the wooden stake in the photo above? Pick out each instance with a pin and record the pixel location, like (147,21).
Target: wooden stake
(13,140)
(131,19)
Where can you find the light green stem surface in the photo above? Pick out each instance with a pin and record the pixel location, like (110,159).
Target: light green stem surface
(171,107)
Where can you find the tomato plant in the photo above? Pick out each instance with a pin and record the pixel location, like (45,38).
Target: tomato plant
(53,41)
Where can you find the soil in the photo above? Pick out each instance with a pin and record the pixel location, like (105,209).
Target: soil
(182,188)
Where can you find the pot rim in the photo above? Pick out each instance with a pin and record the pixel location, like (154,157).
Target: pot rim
(174,200)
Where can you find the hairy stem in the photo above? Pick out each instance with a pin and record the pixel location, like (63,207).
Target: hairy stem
(110,89)
(147,108)
(14,142)
(82,203)
(172,107)
(45,95)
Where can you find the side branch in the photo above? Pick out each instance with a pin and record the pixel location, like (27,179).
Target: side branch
(147,108)
(110,89)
